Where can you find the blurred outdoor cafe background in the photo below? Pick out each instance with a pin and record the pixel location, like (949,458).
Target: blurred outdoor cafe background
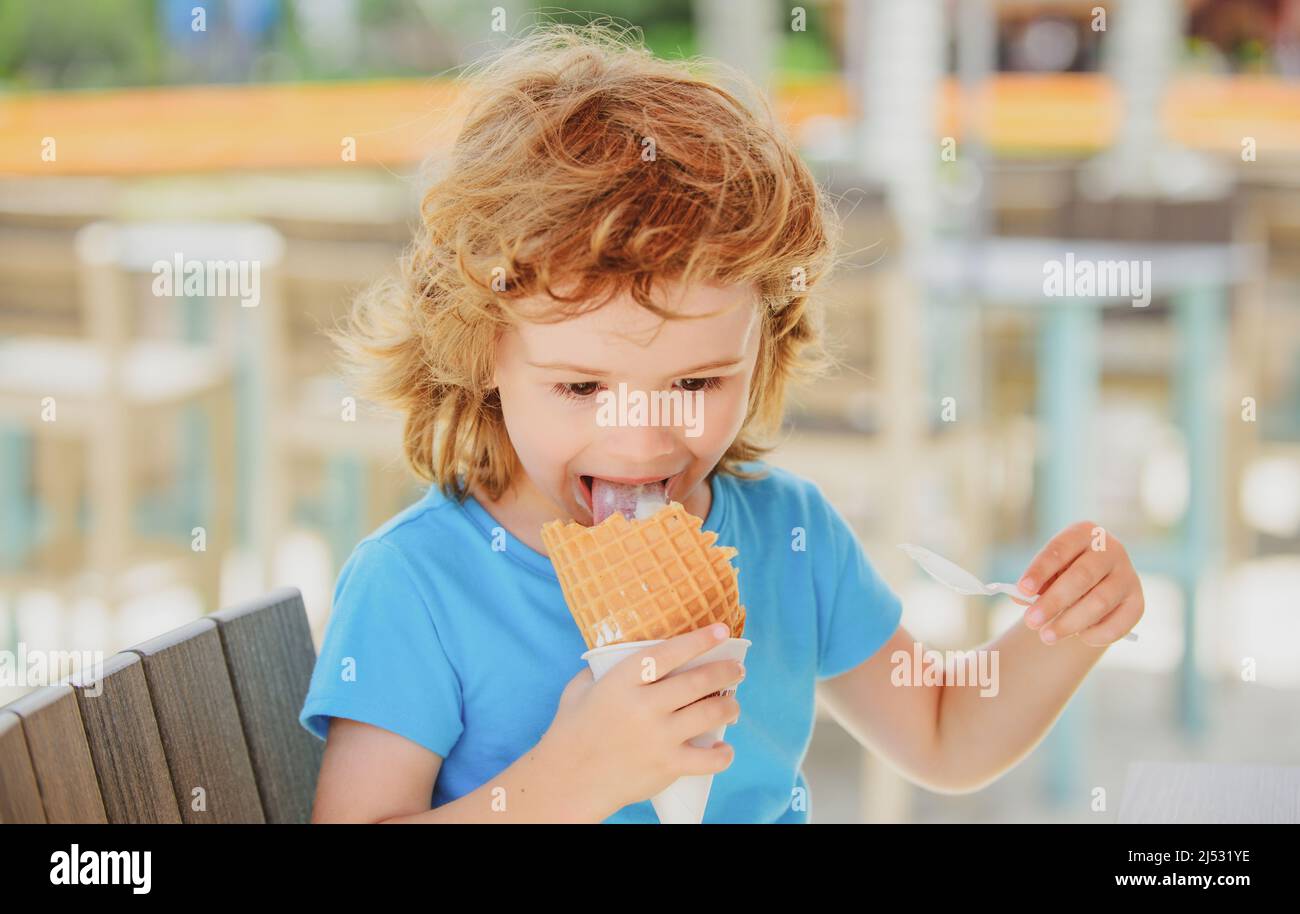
(164,455)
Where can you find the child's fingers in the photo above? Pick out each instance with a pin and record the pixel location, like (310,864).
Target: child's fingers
(1094,606)
(702,716)
(693,760)
(657,661)
(1043,588)
(1055,557)
(1116,625)
(1028,601)
(684,688)
(1088,569)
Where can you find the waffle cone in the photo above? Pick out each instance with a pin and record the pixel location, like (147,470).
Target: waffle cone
(638,580)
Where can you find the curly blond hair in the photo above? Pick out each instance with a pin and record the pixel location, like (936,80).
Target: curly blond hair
(585,169)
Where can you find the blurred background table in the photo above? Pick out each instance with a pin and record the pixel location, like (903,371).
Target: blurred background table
(1006,129)
(1189,793)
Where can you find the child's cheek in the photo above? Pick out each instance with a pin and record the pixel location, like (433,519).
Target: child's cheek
(563,424)
(539,422)
(725,412)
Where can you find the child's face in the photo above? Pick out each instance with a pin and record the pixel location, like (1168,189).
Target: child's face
(552,379)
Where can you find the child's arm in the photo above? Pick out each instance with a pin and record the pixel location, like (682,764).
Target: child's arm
(612,743)
(981,738)
(900,724)
(369,774)
(957,738)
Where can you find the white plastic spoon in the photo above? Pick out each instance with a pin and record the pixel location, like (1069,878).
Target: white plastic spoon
(959,579)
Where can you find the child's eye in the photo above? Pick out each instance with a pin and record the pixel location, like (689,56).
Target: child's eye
(700,383)
(579,391)
(582,390)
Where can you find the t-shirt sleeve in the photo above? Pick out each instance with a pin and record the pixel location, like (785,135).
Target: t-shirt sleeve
(382,661)
(857,612)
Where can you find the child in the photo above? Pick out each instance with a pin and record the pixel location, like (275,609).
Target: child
(609,219)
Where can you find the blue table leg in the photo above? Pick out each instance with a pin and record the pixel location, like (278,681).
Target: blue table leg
(345,499)
(1067,389)
(951,325)
(249,410)
(18,517)
(1200,317)
(195,479)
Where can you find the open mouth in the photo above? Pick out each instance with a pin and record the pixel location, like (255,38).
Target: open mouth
(584,485)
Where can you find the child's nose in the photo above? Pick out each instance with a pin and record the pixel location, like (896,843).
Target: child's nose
(638,445)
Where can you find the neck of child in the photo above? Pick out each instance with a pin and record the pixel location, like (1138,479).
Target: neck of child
(523,509)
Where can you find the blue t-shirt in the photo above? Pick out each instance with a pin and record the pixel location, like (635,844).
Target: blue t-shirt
(465,649)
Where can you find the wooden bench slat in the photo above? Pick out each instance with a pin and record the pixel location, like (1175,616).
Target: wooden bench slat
(213,704)
(20,798)
(125,744)
(60,755)
(199,723)
(270,657)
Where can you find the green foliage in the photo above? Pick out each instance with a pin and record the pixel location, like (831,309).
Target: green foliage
(87,43)
(100,43)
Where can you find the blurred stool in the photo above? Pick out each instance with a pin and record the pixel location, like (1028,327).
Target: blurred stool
(39,221)
(342,456)
(360,452)
(99,393)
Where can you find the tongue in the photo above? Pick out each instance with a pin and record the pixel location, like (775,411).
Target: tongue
(633,502)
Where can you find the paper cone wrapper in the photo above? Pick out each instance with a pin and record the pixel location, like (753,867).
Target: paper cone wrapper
(682,802)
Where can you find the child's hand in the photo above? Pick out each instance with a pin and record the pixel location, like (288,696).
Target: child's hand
(622,740)
(1088,587)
